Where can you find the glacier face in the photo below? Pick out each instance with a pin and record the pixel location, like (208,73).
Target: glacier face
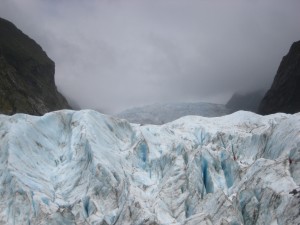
(161,113)
(70,167)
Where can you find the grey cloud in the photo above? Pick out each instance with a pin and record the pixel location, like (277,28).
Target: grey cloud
(114,54)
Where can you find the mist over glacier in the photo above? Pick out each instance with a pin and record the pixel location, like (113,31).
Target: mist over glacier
(84,167)
(122,54)
(163,113)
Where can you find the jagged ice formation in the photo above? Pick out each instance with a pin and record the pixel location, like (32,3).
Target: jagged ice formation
(83,167)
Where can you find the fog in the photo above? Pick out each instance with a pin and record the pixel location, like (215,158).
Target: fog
(114,54)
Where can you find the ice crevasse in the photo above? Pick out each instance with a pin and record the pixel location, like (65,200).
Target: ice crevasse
(83,167)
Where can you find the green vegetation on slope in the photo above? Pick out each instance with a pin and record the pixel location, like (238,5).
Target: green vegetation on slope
(26,75)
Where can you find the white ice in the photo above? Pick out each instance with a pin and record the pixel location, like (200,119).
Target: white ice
(83,167)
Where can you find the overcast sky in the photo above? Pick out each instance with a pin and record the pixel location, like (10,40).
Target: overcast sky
(115,54)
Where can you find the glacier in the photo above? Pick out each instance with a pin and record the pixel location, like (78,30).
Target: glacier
(83,167)
(161,113)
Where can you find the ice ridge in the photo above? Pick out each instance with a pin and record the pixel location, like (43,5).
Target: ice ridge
(83,167)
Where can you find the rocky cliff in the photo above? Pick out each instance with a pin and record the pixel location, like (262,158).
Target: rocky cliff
(247,101)
(26,75)
(284,95)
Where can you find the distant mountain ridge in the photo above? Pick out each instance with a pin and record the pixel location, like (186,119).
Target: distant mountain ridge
(284,94)
(26,75)
(160,113)
(247,102)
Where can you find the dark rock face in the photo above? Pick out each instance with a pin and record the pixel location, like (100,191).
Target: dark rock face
(247,102)
(284,95)
(26,75)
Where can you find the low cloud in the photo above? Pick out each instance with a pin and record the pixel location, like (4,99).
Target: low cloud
(114,54)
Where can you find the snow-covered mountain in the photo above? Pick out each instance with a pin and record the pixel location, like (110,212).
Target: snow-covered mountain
(161,113)
(82,167)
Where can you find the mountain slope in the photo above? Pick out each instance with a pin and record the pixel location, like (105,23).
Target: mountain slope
(284,94)
(163,113)
(26,75)
(83,167)
(247,102)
